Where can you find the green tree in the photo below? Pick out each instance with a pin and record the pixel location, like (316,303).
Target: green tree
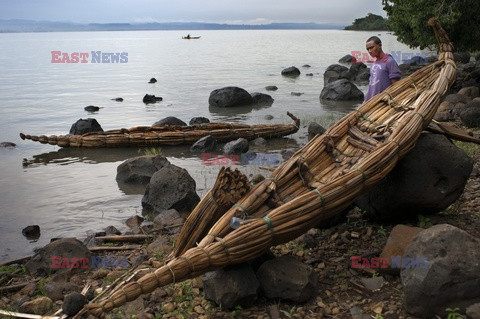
(369,23)
(460,19)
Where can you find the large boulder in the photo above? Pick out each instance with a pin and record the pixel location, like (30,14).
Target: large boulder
(288,279)
(462,57)
(231,286)
(170,187)
(170,121)
(451,278)
(66,249)
(198,120)
(83,126)
(341,90)
(292,72)
(229,96)
(348,59)
(426,181)
(139,170)
(335,72)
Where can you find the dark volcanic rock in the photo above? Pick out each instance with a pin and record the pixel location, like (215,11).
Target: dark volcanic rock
(462,57)
(205,144)
(91,108)
(426,181)
(198,120)
(451,278)
(314,129)
(83,126)
(58,290)
(149,99)
(231,286)
(41,262)
(170,187)
(470,115)
(230,96)
(335,72)
(348,59)
(236,147)
(7,145)
(118,99)
(292,72)
(271,88)
(341,90)
(32,232)
(139,170)
(73,303)
(261,99)
(288,279)
(152,80)
(170,121)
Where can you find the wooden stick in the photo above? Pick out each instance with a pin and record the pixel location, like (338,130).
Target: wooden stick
(114,248)
(25,315)
(124,238)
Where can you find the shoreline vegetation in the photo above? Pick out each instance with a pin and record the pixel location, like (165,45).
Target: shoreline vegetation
(371,22)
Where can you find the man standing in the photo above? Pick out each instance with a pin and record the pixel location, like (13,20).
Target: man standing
(384,70)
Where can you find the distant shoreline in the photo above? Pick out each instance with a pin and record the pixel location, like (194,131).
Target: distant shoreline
(24,26)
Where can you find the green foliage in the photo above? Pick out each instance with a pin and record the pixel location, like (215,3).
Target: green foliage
(471,149)
(378,316)
(290,313)
(460,19)
(382,231)
(424,222)
(369,23)
(236,313)
(10,269)
(152,151)
(453,313)
(41,286)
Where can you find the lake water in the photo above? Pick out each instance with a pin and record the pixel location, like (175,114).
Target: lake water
(69,191)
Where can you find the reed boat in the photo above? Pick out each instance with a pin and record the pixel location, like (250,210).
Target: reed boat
(142,136)
(318,181)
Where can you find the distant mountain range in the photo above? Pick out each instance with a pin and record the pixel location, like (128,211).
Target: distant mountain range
(19,25)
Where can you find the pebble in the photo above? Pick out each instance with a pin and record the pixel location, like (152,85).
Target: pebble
(169,307)
(199,310)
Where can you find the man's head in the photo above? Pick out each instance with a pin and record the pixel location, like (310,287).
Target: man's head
(374,46)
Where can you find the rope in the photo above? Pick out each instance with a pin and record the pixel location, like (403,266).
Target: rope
(364,176)
(208,255)
(320,196)
(244,211)
(189,261)
(224,248)
(269,225)
(366,118)
(421,115)
(272,180)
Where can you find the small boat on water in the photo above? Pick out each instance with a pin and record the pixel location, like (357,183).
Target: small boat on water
(188,37)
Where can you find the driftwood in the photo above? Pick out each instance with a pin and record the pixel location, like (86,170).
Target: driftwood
(452,132)
(125,238)
(25,315)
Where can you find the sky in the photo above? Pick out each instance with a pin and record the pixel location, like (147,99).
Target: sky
(214,11)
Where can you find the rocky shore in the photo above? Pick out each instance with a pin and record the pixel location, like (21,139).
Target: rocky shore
(313,276)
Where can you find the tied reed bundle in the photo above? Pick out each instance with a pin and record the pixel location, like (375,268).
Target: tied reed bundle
(318,181)
(141,136)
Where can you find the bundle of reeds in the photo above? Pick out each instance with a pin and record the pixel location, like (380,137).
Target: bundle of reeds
(142,136)
(319,180)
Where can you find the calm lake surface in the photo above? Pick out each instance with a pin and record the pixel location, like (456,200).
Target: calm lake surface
(70,191)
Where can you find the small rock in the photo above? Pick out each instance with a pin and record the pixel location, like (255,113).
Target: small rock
(291,72)
(168,217)
(112,230)
(198,121)
(271,88)
(268,117)
(237,146)
(259,141)
(373,284)
(296,93)
(169,307)
(134,221)
(474,311)
(149,99)
(159,246)
(152,80)
(7,145)
(261,99)
(32,232)
(91,108)
(314,129)
(118,99)
(204,145)
(230,96)
(29,290)
(57,290)
(100,273)
(309,74)
(306,66)
(170,121)
(39,306)
(73,303)
(83,126)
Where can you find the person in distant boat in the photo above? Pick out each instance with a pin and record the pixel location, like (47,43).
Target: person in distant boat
(384,70)
(188,36)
